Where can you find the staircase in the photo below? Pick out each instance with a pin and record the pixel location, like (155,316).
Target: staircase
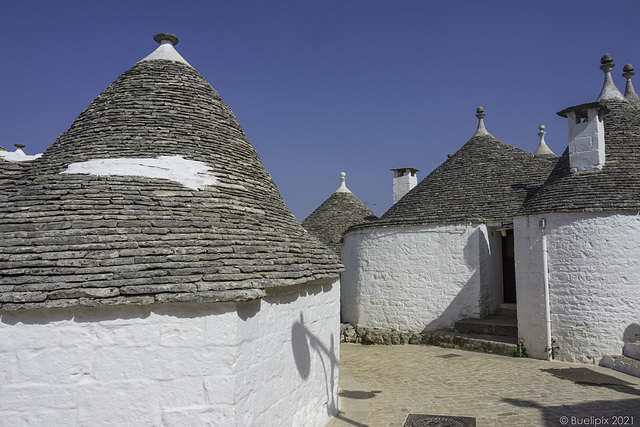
(628,363)
(497,333)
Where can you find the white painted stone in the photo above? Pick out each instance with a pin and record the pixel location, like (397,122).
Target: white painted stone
(190,173)
(404,179)
(269,362)
(543,148)
(414,278)
(586,142)
(165,51)
(307,349)
(18,156)
(343,184)
(594,281)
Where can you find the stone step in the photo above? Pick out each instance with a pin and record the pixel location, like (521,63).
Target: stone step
(504,323)
(624,364)
(481,343)
(632,350)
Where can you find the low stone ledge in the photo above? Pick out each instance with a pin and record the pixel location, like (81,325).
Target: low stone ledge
(379,336)
(440,338)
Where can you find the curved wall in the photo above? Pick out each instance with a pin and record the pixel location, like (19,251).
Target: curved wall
(268,362)
(594,281)
(413,278)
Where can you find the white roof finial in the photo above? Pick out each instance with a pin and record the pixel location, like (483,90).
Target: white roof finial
(166,49)
(542,147)
(480,114)
(609,89)
(629,93)
(343,184)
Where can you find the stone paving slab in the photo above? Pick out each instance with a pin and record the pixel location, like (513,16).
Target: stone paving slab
(381,385)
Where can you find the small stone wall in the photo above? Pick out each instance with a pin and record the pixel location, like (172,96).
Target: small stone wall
(362,335)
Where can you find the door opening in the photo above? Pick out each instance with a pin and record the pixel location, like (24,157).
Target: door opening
(508,269)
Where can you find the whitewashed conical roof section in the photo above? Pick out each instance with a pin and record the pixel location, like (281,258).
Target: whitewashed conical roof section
(127,237)
(166,49)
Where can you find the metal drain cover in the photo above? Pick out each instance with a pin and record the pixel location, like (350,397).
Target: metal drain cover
(418,420)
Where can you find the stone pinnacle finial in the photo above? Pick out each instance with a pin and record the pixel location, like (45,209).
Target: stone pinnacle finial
(19,146)
(629,92)
(343,184)
(480,114)
(609,89)
(163,38)
(542,147)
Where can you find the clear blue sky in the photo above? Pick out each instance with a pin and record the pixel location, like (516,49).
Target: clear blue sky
(324,86)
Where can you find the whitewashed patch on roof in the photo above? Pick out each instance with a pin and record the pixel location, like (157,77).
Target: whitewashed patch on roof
(165,51)
(190,173)
(18,156)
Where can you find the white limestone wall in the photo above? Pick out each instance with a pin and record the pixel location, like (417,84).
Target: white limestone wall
(270,362)
(413,278)
(594,280)
(288,357)
(119,366)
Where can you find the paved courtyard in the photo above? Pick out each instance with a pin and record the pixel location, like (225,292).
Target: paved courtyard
(381,385)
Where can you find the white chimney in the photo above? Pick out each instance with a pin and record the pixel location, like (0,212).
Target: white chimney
(404,179)
(586,136)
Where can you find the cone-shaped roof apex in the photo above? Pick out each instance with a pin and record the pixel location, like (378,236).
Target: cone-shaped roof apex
(166,49)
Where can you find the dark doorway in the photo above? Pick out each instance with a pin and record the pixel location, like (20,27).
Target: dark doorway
(508,269)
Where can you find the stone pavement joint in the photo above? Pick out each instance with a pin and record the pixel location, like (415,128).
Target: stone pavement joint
(381,385)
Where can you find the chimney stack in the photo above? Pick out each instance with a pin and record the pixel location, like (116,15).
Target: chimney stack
(586,136)
(404,179)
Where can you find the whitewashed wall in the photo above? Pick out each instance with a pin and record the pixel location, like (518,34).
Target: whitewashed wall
(288,357)
(594,280)
(413,278)
(174,364)
(117,366)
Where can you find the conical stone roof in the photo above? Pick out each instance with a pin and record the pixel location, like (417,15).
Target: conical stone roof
(81,229)
(484,181)
(333,217)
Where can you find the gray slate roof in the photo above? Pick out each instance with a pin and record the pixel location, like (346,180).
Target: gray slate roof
(84,240)
(333,217)
(615,187)
(485,181)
